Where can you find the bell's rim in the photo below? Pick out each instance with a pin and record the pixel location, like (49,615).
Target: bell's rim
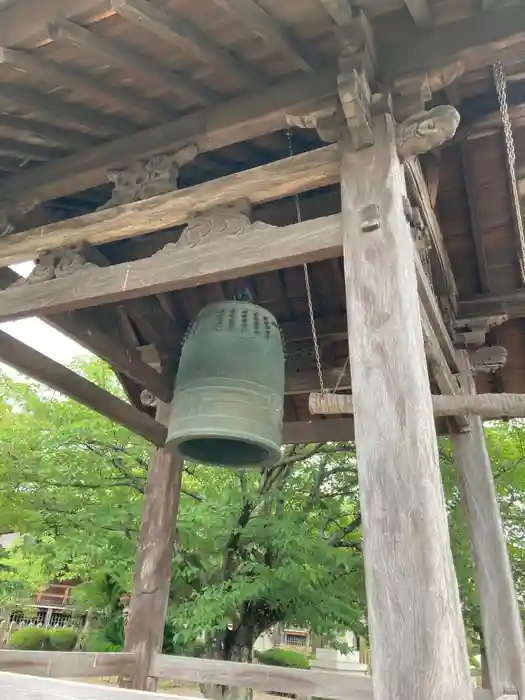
(270,453)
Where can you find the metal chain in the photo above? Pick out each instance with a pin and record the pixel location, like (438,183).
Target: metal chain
(309,299)
(501,87)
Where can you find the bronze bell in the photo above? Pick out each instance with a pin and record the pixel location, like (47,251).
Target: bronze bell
(227,409)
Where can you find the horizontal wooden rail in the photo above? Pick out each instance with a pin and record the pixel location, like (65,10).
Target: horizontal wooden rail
(488,406)
(73,664)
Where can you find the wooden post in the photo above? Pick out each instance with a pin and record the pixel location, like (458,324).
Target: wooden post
(417,635)
(501,623)
(152,576)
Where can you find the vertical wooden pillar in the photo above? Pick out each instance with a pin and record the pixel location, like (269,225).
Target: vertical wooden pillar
(501,623)
(152,575)
(417,635)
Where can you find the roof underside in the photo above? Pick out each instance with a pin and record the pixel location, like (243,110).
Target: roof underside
(78,74)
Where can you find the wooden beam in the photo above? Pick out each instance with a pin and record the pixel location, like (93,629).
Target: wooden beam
(315,431)
(240,119)
(77,664)
(58,74)
(173,29)
(32,363)
(72,140)
(486,305)
(339,10)
(131,60)
(154,559)
(305,382)
(29,151)
(262,249)
(500,615)
(17,687)
(475,222)
(400,483)
(487,406)
(270,30)
(420,12)
(477,41)
(267,182)
(68,112)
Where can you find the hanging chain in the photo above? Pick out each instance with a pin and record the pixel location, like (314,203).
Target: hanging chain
(310,302)
(501,87)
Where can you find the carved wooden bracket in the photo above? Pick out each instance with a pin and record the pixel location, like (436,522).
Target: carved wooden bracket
(326,116)
(61,262)
(427,130)
(10,218)
(148,178)
(473,332)
(230,221)
(489,359)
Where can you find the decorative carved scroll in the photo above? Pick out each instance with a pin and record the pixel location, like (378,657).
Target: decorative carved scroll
(474,331)
(53,264)
(148,178)
(222,222)
(427,130)
(325,116)
(489,359)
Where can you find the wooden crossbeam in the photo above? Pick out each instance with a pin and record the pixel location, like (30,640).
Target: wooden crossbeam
(486,305)
(476,41)
(315,431)
(488,406)
(173,29)
(273,181)
(72,140)
(57,74)
(120,55)
(420,12)
(32,363)
(68,112)
(236,120)
(260,249)
(270,30)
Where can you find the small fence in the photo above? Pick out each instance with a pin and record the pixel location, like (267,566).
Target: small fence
(41,669)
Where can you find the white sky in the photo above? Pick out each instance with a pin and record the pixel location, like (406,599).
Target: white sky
(40,336)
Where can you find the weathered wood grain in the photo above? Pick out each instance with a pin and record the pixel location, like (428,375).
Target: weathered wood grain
(486,305)
(260,249)
(417,636)
(420,12)
(236,120)
(500,615)
(32,363)
(333,430)
(279,179)
(56,664)
(153,562)
(487,406)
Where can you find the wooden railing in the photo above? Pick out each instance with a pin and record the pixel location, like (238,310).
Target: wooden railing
(49,666)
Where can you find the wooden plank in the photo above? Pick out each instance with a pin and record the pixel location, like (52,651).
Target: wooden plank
(315,431)
(339,10)
(18,687)
(270,30)
(267,182)
(154,559)
(420,12)
(305,382)
(236,120)
(262,249)
(32,363)
(73,140)
(444,282)
(173,29)
(59,75)
(487,406)
(486,305)
(475,223)
(477,41)
(399,478)
(500,614)
(29,151)
(73,114)
(130,60)
(55,664)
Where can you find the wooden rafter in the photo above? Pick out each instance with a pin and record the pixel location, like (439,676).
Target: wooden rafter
(175,30)
(339,10)
(29,151)
(121,55)
(420,12)
(231,122)
(270,30)
(279,179)
(61,111)
(73,140)
(32,363)
(57,74)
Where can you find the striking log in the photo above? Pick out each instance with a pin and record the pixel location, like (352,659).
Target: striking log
(417,635)
(152,575)
(500,615)
(487,406)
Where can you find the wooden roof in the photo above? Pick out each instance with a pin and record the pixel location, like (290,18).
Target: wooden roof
(89,85)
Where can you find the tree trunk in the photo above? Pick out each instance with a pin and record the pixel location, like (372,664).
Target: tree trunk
(235,652)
